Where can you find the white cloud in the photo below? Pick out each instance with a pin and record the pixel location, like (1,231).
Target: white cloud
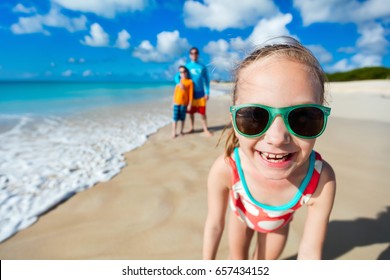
(56,19)
(98,37)
(106,8)
(265,29)
(370,18)
(174,68)
(238,44)
(67,73)
(37,23)
(372,38)
(76,61)
(87,73)
(222,62)
(225,55)
(320,53)
(357,61)
(29,25)
(340,66)
(342,10)
(271,27)
(169,45)
(370,48)
(216,47)
(19,8)
(347,50)
(222,14)
(122,42)
(371,45)
(362,60)
(222,59)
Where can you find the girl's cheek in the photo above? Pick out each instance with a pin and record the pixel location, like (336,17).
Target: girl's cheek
(246,142)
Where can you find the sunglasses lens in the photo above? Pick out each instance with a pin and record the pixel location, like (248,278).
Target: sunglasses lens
(251,120)
(306,121)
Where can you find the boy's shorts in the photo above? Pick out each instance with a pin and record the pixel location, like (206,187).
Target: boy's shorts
(198,106)
(179,112)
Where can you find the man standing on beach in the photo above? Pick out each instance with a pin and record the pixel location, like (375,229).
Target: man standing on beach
(200,78)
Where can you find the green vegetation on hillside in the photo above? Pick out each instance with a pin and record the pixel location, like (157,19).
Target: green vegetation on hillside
(367,73)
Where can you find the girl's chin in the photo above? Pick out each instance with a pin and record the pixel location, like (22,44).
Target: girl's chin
(276,174)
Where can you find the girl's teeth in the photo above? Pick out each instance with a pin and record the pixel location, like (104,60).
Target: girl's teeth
(273,157)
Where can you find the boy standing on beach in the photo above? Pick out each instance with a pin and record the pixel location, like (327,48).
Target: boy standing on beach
(200,78)
(182,98)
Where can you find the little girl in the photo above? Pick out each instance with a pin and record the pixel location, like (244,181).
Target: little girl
(269,168)
(182,99)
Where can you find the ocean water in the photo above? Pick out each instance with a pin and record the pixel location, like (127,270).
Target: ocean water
(57,139)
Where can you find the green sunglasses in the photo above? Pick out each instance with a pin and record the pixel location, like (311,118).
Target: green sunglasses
(305,121)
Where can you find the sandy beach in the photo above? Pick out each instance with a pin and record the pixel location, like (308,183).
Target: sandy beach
(155,207)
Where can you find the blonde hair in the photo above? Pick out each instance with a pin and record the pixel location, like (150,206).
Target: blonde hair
(286,47)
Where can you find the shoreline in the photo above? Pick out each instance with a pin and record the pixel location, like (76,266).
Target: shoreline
(47,159)
(156,206)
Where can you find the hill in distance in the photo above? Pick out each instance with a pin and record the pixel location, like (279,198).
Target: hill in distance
(367,73)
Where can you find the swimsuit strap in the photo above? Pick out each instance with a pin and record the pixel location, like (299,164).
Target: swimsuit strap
(233,167)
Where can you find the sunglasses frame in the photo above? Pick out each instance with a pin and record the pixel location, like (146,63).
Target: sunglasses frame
(284,113)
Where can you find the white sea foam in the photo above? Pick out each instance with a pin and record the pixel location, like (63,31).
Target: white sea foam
(45,160)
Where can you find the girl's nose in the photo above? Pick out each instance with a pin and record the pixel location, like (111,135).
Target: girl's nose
(277,134)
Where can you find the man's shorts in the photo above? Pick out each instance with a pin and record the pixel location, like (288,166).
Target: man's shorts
(198,106)
(179,112)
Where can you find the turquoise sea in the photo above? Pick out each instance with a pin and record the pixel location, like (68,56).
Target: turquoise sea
(70,97)
(59,138)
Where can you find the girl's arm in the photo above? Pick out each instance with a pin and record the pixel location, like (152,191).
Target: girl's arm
(319,208)
(217,199)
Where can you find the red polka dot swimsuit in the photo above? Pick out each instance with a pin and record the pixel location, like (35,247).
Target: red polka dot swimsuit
(266,218)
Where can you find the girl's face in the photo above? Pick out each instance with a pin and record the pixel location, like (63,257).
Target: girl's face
(277,82)
(183,73)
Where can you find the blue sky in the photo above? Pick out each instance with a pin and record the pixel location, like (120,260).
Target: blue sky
(146,40)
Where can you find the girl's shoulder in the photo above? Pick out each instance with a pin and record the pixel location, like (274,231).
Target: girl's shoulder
(222,164)
(327,173)
(326,188)
(221,170)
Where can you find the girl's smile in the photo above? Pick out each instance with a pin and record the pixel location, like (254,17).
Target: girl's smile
(279,160)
